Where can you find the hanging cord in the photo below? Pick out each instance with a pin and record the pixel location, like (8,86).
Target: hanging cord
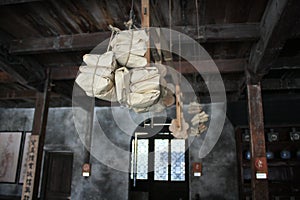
(130,46)
(94,74)
(131,19)
(131,14)
(170,23)
(197,14)
(113,31)
(179,38)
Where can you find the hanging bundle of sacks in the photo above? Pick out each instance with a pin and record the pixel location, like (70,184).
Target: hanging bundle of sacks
(96,78)
(199,119)
(138,86)
(122,75)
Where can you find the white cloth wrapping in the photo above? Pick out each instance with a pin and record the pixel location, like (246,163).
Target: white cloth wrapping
(138,88)
(144,87)
(130,47)
(97,78)
(122,77)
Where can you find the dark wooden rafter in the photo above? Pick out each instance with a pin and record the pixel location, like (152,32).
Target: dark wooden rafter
(83,41)
(25,71)
(87,41)
(277,25)
(21,94)
(224,66)
(11,2)
(224,32)
(198,87)
(257,140)
(6,78)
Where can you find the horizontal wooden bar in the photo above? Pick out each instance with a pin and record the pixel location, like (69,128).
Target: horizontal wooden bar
(87,41)
(11,2)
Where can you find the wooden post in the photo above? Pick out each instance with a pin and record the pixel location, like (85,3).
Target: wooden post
(258,151)
(34,161)
(146,23)
(89,131)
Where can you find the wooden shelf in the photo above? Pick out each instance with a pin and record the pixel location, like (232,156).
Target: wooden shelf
(277,163)
(283,173)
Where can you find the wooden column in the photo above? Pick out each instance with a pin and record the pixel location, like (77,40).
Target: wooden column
(257,145)
(34,161)
(89,130)
(146,23)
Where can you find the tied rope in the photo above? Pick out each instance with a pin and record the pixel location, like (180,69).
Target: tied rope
(130,46)
(113,30)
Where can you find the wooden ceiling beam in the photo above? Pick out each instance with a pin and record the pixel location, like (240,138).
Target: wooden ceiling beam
(277,24)
(224,65)
(11,2)
(27,72)
(87,41)
(84,41)
(285,84)
(21,94)
(6,78)
(222,32)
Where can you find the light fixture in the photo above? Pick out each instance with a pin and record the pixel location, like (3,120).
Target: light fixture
(197,169)
(86,170)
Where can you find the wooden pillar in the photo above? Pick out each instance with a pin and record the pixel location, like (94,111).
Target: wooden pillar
(89,130)
(146,23)
(34,161)
(259,183)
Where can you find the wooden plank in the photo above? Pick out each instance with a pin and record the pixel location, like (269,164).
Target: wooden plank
(64,73)
(6,78)
(285,84)
(25,71)
(224,32)
(12,72)
(39,128)
(207,66)
(146,23)
(257,141)
(84,41)
(87,41)
(38,134)
(224,66)
(22,94)
(11,2)
(280,18)
(28,186)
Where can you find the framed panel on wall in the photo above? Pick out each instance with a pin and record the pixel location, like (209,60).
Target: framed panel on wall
(24,157)
(10,143)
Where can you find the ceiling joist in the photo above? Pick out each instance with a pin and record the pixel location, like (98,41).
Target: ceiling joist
(278,22)
(11,2)
(87,41)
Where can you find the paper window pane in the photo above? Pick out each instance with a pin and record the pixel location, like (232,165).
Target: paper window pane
(132,159)
(142,159)
(161,149)
(177,160)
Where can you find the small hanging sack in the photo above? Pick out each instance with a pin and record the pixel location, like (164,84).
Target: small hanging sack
(130,47)
(97,77)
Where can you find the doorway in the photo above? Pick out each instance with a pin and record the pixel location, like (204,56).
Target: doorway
(161,168)
(57,176)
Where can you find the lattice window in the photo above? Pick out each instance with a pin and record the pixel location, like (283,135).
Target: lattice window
(161,156)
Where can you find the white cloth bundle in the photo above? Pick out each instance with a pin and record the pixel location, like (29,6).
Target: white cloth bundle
(138,88)
(122,77)
(130,47)
(97,78)
(144,87)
